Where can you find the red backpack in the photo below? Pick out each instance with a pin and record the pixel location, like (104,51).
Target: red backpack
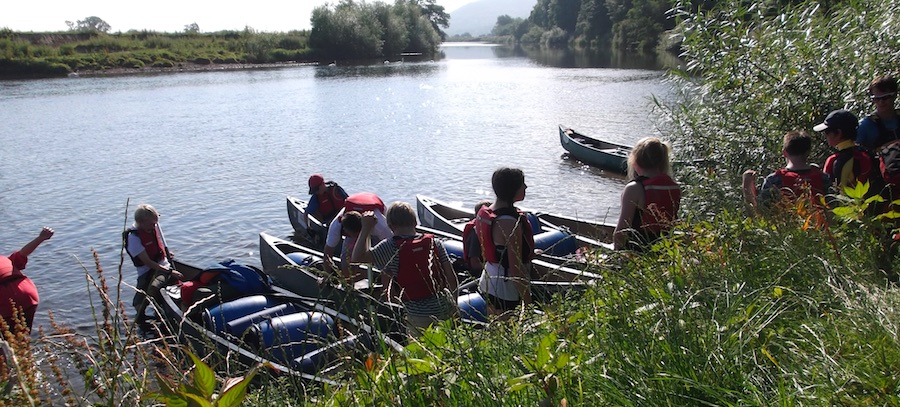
(888,152)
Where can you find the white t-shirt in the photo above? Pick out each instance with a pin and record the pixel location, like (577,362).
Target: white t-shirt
(135,247)
(380,232)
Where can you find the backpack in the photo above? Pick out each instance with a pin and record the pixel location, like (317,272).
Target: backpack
(245,279)
(888,152)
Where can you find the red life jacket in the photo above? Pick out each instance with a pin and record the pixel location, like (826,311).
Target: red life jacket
(419,270)
(797,182)
(331,201)
(362,202)
(864,167)
(484,227)
(468,229)
(662,196)
(152,245)
(887,147)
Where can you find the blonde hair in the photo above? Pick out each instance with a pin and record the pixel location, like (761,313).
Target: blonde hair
(650,153)
(401,214)
(145,212)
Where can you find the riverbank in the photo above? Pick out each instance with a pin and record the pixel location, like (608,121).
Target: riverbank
(187,67)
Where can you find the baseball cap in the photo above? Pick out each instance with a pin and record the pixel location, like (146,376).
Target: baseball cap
(314,181)
(838,119)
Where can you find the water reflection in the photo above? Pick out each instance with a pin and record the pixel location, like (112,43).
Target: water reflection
(379,70)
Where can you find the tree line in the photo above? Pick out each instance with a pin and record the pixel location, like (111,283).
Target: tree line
(630,25)
(348,30)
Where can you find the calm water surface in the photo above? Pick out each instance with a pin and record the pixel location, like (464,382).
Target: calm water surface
(217,152)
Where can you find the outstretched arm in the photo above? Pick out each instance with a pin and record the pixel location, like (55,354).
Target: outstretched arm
(362,251)
(46,234)
(748,188)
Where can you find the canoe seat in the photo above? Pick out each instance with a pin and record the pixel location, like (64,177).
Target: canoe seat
(458,221)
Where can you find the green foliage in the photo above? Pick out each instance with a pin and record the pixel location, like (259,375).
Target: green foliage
(27,55)
(753,73)
(354,30)
(506,25)
(201,389)
(89,24)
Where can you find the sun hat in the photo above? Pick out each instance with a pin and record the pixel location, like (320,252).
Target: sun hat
(314,181)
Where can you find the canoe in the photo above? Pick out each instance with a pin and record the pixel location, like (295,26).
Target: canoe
(281,258)
(602,154)
(439,215)
(312,234)
(301,337)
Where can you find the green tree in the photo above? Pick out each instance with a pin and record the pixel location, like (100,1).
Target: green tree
(506,25)
(192,28)
(92,23)
(350,30)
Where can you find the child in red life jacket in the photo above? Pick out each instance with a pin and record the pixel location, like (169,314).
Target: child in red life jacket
(146,246)
(796,179)
(650,202)
(17,290)
(508,244)
(415,268)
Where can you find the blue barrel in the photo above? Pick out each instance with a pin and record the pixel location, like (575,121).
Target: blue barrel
(454,247)
(291,336)
(239,326)
(216,317)
(556,243)
(301,259)
(473,307)
(354,345)
(535,223)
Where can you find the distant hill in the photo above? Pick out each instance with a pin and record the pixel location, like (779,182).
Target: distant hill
(478,18)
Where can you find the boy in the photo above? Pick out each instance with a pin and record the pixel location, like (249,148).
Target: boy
(146,246)
(16,290)
(797,178)
(849,163)
(415,268)
(880,127)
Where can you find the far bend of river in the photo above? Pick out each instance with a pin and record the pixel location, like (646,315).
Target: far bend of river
(217,152)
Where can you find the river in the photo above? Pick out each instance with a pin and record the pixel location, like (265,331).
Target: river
(216,152)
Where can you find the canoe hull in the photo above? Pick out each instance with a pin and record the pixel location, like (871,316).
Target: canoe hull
(602,154)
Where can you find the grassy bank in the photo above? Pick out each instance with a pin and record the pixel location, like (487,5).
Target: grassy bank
(24,55)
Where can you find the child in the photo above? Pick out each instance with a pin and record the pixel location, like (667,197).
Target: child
(351,225)
(17,290)
(797,178)
(415,268)
(146,246)
(508,244)
(649,202)
(472,258)
(850,163)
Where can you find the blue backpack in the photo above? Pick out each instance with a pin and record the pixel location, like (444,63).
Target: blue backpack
(243,278)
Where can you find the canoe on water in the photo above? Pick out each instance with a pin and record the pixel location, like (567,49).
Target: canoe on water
(439,215)
(605,155)
(301,337)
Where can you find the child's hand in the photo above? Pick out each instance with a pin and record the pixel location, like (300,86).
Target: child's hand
(368,219)
(46,233)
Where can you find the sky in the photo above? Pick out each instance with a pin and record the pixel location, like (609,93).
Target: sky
(170,15)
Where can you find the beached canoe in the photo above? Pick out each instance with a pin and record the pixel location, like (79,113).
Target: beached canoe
(599,153)
(439,215)
(281,259)
(302,337)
